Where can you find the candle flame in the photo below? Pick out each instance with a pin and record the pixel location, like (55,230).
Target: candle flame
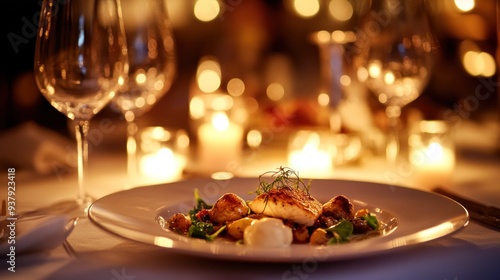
(220,121)
(311,157)
(434,151)
(163,165)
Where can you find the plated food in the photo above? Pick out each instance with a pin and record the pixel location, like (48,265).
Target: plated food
(282,213)
(141,214)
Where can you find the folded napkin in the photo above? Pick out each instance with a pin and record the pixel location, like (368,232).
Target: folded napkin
(30,146)
(35,234)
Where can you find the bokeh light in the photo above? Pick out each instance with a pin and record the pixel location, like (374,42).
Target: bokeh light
(206,10)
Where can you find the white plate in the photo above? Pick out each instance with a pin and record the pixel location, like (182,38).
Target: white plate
(412,217)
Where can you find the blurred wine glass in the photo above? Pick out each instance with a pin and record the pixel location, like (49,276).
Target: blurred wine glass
(151,66)
(396,53)
(80,60)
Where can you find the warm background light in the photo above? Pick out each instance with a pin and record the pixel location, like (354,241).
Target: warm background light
(208,75)
(475,61)
(275,91)
(479,63)
(341,10)
(206,10)
(465,5)
(196,108)
(323,99)
(235,87)
(208,81)
(374,69)
(345,80)
(222,103)
(254,138)
(305,8)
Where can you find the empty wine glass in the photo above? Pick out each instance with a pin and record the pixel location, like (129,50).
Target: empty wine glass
(80,59)
(151,63)
(396,49)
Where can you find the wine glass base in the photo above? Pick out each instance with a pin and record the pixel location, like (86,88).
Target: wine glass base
(83,203)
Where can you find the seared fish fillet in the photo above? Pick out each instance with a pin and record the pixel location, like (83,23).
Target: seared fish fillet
(287,203)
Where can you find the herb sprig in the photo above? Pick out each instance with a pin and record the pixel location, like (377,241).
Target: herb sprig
(283,177)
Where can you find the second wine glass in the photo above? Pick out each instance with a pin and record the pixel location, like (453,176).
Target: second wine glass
(396,61)
(151,66)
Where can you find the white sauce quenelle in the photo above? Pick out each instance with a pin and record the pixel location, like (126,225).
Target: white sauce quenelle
(268,232)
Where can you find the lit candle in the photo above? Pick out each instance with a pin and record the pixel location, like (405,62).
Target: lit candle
(162,154)
(219,143)
(432,155)
(310,158)
(162,166)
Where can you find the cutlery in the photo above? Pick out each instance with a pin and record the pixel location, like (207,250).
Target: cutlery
(485,214)
(63,207)
(40,232)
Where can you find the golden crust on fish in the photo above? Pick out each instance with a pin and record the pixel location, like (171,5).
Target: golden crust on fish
(288,203)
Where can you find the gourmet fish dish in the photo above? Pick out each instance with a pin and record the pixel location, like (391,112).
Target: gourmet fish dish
(282,213)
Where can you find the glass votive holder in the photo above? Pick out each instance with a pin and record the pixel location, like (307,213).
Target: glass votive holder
(163,154)
(218,121)
(431,154)
(348,148)
(310,152)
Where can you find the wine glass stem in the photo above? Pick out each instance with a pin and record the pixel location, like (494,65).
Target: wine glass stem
(82,129)
(392,149)
(131,150)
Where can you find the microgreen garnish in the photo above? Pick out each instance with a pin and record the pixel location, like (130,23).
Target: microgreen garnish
(371,220)
(341,232)
(283,177)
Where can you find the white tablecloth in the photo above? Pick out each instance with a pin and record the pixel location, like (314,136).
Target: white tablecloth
(471,253)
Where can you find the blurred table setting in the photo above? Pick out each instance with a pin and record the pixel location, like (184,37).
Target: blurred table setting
(346,92)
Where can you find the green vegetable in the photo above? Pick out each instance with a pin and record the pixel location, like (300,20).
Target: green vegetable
(200,228)
(371,220)
(341,232)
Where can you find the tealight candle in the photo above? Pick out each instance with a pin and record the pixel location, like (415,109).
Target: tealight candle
(219,143)
(162,166)
(162,155)
(309,153)
(431,153)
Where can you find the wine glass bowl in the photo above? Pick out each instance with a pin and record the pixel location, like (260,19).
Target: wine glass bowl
(80,62)
(151,56)
(143,87)
(78,98)
(151,66)
(399,75)
(396,62)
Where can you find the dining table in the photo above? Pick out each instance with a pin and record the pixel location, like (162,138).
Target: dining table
(92,252)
